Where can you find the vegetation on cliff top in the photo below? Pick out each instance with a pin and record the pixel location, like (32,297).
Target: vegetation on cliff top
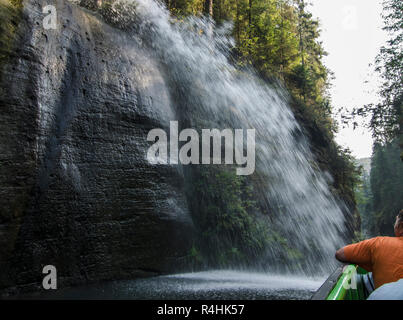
(10,16)
(386,117)
(280,39)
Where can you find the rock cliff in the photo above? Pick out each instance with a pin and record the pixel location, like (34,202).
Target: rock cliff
(76,189)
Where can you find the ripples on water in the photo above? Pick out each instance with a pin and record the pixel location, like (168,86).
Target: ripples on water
(214,285)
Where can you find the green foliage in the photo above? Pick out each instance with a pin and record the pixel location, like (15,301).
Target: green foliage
(349,173)
(363,196)
(10,16)
(386,117)
(185,7)
(15,3)
(225,214)
(386,186)
(195,257)
(380,196)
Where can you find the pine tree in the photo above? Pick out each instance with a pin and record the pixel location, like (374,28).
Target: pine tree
(386,187)
(386,120)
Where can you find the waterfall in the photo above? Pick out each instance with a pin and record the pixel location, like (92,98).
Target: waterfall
(210,92)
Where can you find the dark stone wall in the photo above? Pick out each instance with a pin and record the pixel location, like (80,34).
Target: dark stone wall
(77,192)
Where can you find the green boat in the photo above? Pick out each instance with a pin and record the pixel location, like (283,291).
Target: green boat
(349,282)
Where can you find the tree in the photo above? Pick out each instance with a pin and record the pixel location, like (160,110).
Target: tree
(209,7)
(386,186)
(364,200)
(386,117)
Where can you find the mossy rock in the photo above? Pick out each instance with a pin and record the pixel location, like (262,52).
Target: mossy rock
(10,17)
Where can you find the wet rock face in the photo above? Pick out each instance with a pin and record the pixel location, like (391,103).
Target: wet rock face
(76,189)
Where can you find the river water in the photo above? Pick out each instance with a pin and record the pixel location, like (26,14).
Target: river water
(214,285)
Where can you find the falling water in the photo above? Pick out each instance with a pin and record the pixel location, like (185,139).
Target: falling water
(210,92)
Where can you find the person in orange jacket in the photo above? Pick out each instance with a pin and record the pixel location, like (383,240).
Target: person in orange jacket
(383,256)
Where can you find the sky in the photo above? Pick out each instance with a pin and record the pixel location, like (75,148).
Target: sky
(352,35)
